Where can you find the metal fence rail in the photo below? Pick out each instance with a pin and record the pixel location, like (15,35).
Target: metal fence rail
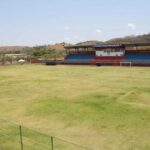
(17,137)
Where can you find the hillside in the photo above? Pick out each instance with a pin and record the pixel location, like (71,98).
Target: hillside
(59,47)
(128,39)
(12,48)
(132,39)
(90,42)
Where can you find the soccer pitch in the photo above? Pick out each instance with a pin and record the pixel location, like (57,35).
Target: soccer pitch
(104,108)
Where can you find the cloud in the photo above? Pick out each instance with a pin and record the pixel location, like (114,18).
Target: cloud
(98,30)
(66,28)
(132,26)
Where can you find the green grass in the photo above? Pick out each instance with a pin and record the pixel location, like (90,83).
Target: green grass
(106,108)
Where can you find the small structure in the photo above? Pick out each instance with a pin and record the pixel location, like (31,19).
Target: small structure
(21,61)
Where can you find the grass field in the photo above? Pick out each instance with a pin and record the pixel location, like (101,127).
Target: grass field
(105,108)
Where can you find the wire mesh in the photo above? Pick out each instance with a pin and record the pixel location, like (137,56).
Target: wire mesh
(17,137)
(9,135)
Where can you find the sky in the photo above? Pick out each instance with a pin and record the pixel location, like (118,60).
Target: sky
(38,22)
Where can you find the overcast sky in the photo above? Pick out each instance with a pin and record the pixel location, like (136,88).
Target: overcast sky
(36,22)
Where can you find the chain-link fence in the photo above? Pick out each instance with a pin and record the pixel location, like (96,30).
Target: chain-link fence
(17,137)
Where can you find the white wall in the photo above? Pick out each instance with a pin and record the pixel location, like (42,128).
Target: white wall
(109,53)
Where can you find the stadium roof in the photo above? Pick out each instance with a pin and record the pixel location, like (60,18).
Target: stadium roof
(79,46)
(136,44)
(107,45)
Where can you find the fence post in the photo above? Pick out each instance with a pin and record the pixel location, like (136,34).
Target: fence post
(52,143)
(21,139)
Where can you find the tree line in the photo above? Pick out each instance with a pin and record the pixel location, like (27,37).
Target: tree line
(37,52)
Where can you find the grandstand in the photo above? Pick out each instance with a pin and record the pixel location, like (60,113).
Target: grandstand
(112,54)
